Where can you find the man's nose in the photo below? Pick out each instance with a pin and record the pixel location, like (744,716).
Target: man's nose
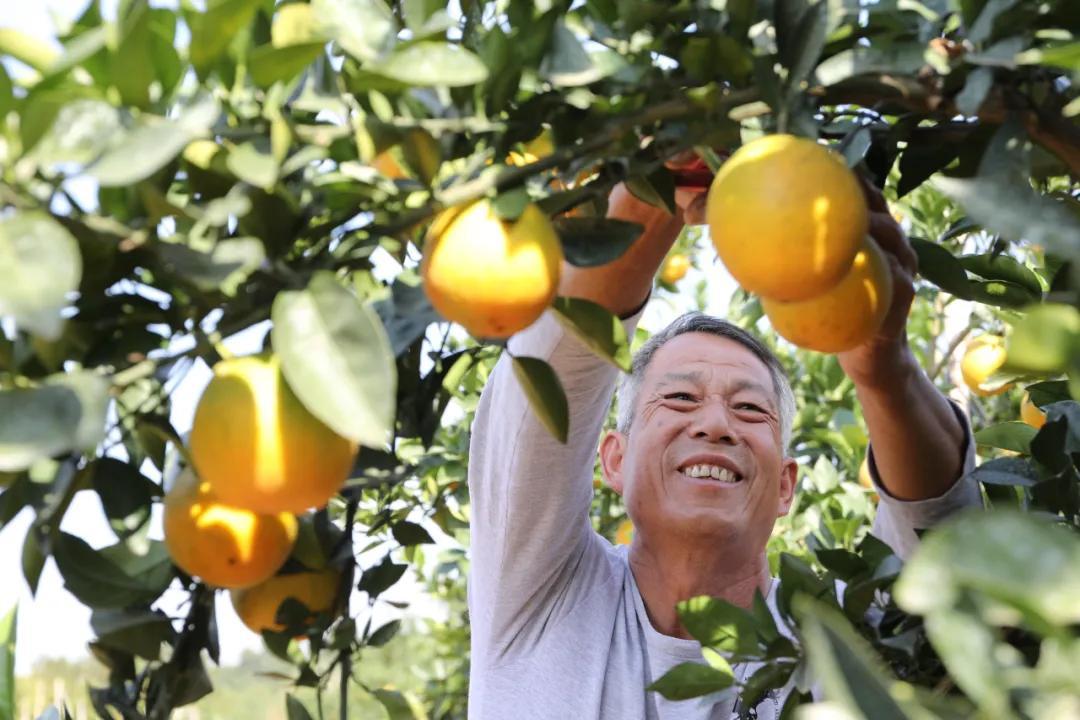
(713,423)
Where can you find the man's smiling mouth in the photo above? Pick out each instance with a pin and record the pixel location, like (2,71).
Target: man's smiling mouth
(713,472)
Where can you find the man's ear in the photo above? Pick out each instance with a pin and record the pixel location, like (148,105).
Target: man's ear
(789,474)
(612,447)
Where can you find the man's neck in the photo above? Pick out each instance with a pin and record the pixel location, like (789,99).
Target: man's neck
(667,578)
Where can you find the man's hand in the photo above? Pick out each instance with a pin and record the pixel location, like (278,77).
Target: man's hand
(884,357)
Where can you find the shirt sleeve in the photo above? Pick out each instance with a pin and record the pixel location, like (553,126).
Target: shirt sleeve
(531,540)
(897,521)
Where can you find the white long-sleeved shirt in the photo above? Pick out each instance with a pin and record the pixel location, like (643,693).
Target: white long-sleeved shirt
(559,628)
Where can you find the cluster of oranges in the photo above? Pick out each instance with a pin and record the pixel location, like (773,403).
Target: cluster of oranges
(259,459)
(789,220)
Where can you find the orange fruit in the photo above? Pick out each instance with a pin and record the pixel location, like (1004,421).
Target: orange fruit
(493,277)
(787,217)
(259,447)
(984,355)
(257,606)
(225,546)
(388,165)
(1031,413)
(844,317)
(674,268)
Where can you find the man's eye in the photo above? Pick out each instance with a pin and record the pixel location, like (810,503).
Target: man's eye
(750,406)
(679,396)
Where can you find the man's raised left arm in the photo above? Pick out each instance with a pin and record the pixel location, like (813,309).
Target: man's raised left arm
(921,442)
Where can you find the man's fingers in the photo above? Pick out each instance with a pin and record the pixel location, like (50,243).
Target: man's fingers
(693,203)
(891,238)
(874,199)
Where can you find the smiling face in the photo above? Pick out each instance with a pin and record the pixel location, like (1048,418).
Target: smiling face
(704,455)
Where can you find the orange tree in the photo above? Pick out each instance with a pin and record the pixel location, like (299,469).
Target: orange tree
(171,178)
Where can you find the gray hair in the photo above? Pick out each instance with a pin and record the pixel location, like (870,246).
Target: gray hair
(699,322)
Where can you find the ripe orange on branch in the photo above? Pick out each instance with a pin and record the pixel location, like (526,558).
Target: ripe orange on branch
(257,445)
(258,606)
(843,317)
(984,355)
(787,217)
(492,276)
(1031,413)
(674,268)
(225,546)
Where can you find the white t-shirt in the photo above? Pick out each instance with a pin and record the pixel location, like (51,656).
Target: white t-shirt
(559,629)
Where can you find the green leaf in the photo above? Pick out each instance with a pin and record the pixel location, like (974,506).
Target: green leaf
(593,241)
(33,558)
(152,144)
(7,94)
(1013,435)
(1006,471)
(132,61)
(364,28)
(133,630)
(400,706)
(336,357)
(126,495)
(545,393)
(433,63)
(796,577)
(901,58)
(382,577)
(8,625)
(422,154)
(384,634)
(569,64)
(1049,391)
(82,130)
(718,624)
(269,64)
(978,84)
(40,265)
(968,648)
(1002,267)
(256,168)
(690,680)
(1001,294)
(597,327)
(37,423)
(224,269)
(848,669)
(656,189)
(1016,212)
(92,392)
(295,709)
(940,267)
(1065,55)
(212,31)
(114,577)
(509,205)
(29,50)
(1045,341)
(409,533)
(992,554)
(800,43)
(921,160)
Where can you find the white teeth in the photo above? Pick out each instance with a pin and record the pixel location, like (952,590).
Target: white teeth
(710,471)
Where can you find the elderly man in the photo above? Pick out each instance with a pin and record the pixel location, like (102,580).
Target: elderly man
(566,626)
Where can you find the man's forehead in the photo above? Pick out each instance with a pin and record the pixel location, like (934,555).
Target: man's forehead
(699,356)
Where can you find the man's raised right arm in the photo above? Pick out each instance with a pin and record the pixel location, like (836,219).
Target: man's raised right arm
(530,494)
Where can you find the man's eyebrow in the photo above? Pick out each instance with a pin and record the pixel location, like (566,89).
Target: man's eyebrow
(673,377)
(755,386)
